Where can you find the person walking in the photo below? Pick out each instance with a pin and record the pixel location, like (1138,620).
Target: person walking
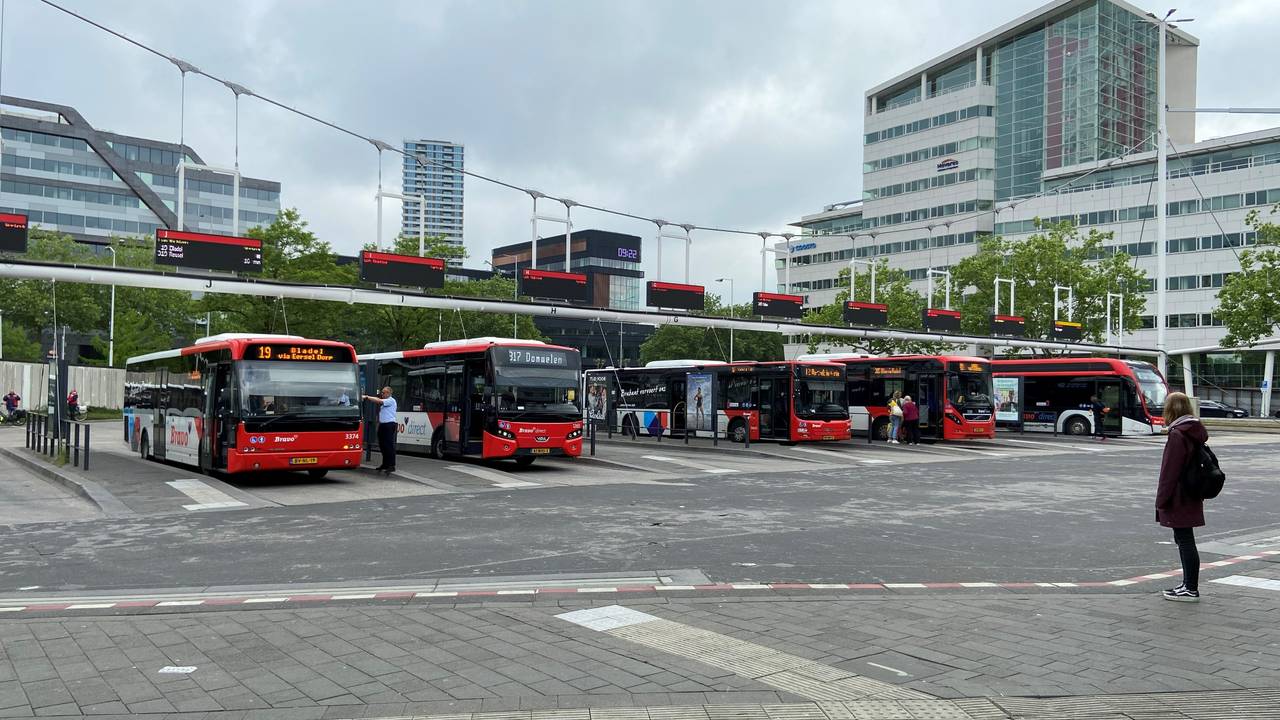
(895,416)
(1098,411)
(1174,508)
(387,429)
(73,404)
(11,403)
(911,420)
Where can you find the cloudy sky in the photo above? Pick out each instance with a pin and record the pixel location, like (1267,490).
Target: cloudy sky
(727,113)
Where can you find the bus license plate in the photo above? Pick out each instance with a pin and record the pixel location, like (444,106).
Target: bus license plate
(304,461)
(540,451)
(828,437)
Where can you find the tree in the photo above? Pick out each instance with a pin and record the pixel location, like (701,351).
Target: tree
(893,288)
(677,342)
(1057,255)
(1249,301)
(30,304)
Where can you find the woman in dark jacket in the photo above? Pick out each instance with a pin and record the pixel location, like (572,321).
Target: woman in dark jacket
(1173,508)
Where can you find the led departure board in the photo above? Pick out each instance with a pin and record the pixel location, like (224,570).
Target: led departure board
(555,285)
(860,313)
(407,270)
(285,352)
(1068,331)
(939,320)
(674,295)
(777,305)
(1010,325)
(210,252)
(13,233)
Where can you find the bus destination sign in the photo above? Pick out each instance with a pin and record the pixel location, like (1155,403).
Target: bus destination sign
(1068,331)
(407,270)
(572,287)
(674,295)
(1009,325)
(777,305)
(210,252)
(13,233)
(811,371)
(534,357)
(282,352)
(861,313)
(940,320)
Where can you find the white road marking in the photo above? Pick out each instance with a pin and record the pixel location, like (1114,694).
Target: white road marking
(13,608)
(91,606)
(689,464)
(1247,581)
(206,498)
(1083,448)
(498,478)
(895,671)
(358,596)
(179,603)
(177,669)
(608,617)
(987,453)
(837,455)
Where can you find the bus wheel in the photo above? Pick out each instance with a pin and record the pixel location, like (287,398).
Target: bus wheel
(437,445)
(144,447)
(738,431)
(881,430)
(318,473)
(1077,426)
(524,460)
(629,425)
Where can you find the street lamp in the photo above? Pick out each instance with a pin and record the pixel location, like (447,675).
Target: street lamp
(515,294)
(730,281)
(111,328)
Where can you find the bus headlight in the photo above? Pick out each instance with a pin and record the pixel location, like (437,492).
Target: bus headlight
(505,434)
(574,434)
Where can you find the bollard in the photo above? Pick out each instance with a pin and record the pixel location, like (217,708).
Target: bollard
(595,428)
(746,439)
(87,428)
(75,462)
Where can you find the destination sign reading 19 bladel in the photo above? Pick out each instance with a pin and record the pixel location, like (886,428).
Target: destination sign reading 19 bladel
(210,252)
(281,352)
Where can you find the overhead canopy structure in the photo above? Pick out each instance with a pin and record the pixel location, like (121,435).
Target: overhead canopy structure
(98,275)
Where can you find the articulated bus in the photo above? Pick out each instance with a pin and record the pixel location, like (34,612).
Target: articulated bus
(786,401)
(491,397)
(1056,391)
(239,403)
(954,393)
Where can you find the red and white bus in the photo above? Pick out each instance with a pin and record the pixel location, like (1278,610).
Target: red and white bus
(786,401)
(1055,394)
(953,392)
(239,403)
(491,397)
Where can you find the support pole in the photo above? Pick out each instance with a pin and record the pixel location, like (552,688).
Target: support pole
(1268,368)
(1162,172)
(1188,384)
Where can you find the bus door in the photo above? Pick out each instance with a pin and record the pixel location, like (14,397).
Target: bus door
(774,407)
(1110,395)
(677,388)
(160,431)
(455,399)
(476,410)
(220,421)
(929,399)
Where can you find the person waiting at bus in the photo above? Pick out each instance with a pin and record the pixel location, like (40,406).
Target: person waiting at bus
(911,420)
(1098,411)
(895,416)
(386,429)
(11,403)
(73,403)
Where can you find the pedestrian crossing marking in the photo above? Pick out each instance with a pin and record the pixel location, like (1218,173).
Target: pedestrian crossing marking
(206,498)
(689,464)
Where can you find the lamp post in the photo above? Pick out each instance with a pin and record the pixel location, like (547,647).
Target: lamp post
(111,327)
(730,281)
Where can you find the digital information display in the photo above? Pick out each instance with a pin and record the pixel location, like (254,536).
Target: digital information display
(860,313)
(536,357)
(1010,325)
(283,352)
(555,285)
(1067,331)
(777,305)
(407,270)
(210,252)
(939,320)
(675,295)
(812,371)
(13,233)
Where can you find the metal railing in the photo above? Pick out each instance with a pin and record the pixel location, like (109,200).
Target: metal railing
(65,442)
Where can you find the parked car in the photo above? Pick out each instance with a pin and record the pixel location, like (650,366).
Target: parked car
(1213,408)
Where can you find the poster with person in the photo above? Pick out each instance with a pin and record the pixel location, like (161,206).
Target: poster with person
(698,403)
(1008,399)
(597,397)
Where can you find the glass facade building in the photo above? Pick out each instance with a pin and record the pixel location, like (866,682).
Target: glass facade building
(434,169)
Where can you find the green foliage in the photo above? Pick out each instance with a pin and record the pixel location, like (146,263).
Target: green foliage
(1060,255)
(675,342)
(893,288)
(28,305)
(1249,302)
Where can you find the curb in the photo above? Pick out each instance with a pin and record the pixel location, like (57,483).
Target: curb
(109,504)
(1262,426)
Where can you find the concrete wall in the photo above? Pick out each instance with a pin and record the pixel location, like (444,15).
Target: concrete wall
(98,387)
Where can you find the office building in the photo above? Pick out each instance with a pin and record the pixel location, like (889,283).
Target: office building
(433,188)
(611,262)
(68,176)
(1051,116)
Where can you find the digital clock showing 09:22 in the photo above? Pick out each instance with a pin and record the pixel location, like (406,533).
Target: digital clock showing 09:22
(282,352)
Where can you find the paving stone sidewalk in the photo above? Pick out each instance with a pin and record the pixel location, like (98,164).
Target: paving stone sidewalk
(962,655)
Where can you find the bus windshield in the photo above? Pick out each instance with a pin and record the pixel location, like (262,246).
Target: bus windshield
(522,391)
(1153,388)
(969,390)
(821,399)
(274,389)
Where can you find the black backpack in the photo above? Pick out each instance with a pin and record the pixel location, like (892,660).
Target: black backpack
(1202,478)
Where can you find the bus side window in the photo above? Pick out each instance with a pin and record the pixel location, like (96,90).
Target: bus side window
(433,390)
(859,392)
(739,394)
(453,387)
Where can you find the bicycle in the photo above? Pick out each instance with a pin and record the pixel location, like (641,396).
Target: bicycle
(17,417)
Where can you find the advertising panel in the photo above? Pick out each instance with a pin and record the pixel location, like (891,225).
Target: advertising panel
(1008,399)
(597,397)
(699,403)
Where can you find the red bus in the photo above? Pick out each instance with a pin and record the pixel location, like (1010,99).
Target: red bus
(953,393)
(238,403)
(491,397)
(786,401)
(1055,394)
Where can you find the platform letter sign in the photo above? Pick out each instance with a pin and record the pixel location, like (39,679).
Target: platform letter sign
(675,295)
(1008,325)
(13,233)
(867,314)
(1067,331)
(777,305)
(407,270)
(209,252)
(555,285)
(939,320)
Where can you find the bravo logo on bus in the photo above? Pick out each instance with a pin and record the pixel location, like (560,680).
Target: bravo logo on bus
(183,438)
